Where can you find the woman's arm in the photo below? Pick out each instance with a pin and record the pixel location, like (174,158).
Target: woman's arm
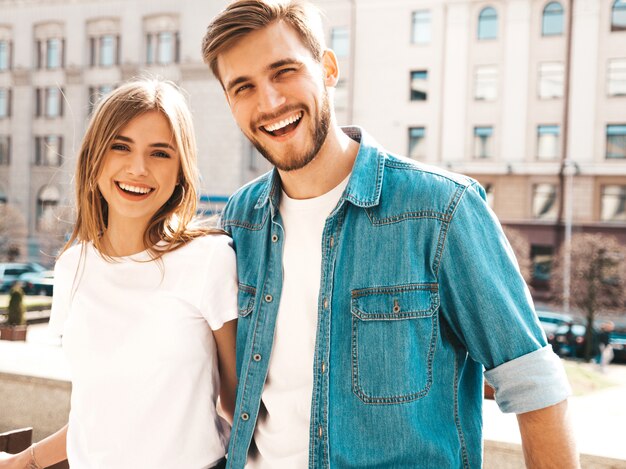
(47,452)
(226,351)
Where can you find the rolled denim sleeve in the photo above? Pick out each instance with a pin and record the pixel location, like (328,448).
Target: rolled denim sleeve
(486,303)
(517,381)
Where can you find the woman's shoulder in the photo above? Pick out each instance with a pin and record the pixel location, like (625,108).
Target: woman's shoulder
(207,246)
(70,257)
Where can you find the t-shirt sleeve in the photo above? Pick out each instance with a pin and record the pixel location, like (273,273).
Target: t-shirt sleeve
(64,273)
(219,298)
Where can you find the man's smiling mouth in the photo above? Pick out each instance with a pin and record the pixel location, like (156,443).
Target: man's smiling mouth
(284,126)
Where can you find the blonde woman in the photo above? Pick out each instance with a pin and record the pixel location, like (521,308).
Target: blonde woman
(145,302)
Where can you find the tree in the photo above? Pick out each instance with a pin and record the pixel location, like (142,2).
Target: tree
(12,233)
(521,248)
(597,280)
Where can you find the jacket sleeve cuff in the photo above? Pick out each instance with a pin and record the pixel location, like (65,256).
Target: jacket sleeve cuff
(530,382)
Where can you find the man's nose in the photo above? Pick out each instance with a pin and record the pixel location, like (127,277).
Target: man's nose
(270,98)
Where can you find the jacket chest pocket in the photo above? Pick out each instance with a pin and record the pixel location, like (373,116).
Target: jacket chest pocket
(394,330)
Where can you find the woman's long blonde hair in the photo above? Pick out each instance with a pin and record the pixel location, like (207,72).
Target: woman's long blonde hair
(171,223)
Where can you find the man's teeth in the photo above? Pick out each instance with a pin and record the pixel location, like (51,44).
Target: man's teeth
(137,190)
(283,123)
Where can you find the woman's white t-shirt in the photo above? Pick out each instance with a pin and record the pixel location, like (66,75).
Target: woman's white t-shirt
(138,338)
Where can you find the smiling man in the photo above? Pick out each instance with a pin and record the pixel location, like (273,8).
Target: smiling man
(374,290)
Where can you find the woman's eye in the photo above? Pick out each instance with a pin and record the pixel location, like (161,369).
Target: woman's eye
(161,154)
(119,147)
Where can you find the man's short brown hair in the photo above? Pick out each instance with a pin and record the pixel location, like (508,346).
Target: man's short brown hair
(242,17)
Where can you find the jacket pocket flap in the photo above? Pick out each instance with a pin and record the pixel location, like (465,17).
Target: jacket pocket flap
(396,302)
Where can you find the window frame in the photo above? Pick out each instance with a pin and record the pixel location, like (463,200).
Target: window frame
(485,22)
(547,15)
(426,24)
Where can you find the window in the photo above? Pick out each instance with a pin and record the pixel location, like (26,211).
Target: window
(96,93)
(483,142)
(618,16)
(416,143)
(54,102)
(340,41)
(5,150)
(544,205)
(5,103)
(490,193)
(551,79)
(613,203)
(616,77)
(419,85)
(488,23)
(616,141)
(486,83)
(47,202)
(54,53)
(162,48)
(104,51)
(420,27)
(49,46)
(541,258)
(48,150)
(552,20)
(5,55)
(548,142)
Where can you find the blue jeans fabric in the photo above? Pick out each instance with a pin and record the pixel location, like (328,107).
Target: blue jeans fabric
(420,292)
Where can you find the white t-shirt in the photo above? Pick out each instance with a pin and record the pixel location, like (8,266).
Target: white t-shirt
(143,360)
(281,437)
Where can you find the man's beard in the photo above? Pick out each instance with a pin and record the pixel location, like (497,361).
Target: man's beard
(321,125)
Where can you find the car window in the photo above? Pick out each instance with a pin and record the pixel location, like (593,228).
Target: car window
(15,271)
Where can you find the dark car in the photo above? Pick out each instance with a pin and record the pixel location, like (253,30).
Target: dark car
(550,322)
(569,340)
(617,339)
(10,272)
(38,283)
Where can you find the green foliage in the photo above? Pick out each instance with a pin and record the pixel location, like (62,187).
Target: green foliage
(16,309)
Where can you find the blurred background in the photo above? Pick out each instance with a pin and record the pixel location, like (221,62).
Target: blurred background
(526,96)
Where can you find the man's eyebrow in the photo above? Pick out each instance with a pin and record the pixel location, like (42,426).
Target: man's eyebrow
(273,66)
(155,145)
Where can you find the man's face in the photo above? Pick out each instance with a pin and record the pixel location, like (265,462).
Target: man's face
(277,94)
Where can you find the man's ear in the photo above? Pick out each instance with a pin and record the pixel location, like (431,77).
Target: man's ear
(331,68)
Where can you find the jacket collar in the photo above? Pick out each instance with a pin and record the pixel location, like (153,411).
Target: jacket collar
(366,180)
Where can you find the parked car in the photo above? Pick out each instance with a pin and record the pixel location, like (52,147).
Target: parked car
(617,339)
(38,283)
(10,272)
(550,322)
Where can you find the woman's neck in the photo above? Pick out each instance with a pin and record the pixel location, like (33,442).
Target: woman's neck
(123,239)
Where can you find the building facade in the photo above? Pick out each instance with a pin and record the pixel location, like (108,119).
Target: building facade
(506,91)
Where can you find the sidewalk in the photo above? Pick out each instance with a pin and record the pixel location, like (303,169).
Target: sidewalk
(599,418)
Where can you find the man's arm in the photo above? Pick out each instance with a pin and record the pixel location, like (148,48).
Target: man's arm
(547,438)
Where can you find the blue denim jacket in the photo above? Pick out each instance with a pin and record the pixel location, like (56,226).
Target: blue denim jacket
(419,291)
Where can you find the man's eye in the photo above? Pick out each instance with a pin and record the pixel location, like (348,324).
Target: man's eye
(119,147)
(242,88)
(282,71)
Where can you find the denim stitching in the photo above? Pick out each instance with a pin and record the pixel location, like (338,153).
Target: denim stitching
(457,420)
(443,232)
(246,225)
(422,214)
(402,398)
(251,291)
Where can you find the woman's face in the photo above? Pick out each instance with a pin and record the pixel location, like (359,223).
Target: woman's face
(140,169)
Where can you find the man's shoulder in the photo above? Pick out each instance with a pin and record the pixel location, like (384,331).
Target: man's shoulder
(246,199)
(411,170)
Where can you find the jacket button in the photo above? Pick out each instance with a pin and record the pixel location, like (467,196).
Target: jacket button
(274,238)
(268,298)
(256,357)
(245,416)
